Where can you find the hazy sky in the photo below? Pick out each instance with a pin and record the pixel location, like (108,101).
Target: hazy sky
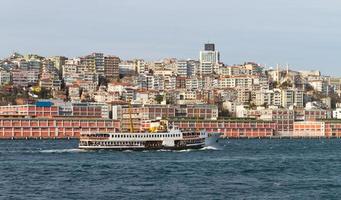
(304,33)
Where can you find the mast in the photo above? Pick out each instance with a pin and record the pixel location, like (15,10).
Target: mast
(197,121)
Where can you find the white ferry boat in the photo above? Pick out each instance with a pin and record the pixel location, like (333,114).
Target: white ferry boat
(173,139)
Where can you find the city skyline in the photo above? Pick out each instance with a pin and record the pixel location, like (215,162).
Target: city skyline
(303,34)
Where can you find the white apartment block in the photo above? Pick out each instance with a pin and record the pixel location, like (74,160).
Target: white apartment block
(194,83)
(25,77)
(292,97)
(182,68)
(5,77)
(232,82)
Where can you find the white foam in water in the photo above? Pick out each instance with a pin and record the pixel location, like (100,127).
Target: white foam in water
(62,150)
(185,150)
(163,150)
(209,148)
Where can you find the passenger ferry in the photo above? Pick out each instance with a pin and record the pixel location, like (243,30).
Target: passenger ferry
(173,139)
(158,137)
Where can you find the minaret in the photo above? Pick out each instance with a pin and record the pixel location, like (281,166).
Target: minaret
(277,73)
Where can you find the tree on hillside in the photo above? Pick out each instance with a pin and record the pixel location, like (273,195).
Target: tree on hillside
(159,98)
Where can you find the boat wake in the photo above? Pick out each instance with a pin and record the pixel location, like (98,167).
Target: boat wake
(164,150)
(185,150)
(62,151)
(206,148)
(209,148)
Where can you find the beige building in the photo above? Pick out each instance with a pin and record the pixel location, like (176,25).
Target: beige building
(309,129)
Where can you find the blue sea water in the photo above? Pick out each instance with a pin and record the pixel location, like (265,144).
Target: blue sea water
(236,169)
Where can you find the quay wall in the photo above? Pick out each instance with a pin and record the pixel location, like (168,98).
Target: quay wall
(60,128)
(67,127)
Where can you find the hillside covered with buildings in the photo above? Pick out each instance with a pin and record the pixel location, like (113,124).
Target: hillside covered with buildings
(58,97)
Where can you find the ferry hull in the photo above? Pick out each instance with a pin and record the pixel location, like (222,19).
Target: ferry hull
(142,148)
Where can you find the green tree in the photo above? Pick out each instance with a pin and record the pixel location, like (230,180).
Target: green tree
(159,98)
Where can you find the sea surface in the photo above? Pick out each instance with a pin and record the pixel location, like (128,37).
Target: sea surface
(233,169)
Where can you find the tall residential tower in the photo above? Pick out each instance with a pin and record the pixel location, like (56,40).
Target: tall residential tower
(209,59)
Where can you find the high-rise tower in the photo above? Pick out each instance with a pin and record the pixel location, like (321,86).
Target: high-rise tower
(209,58)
